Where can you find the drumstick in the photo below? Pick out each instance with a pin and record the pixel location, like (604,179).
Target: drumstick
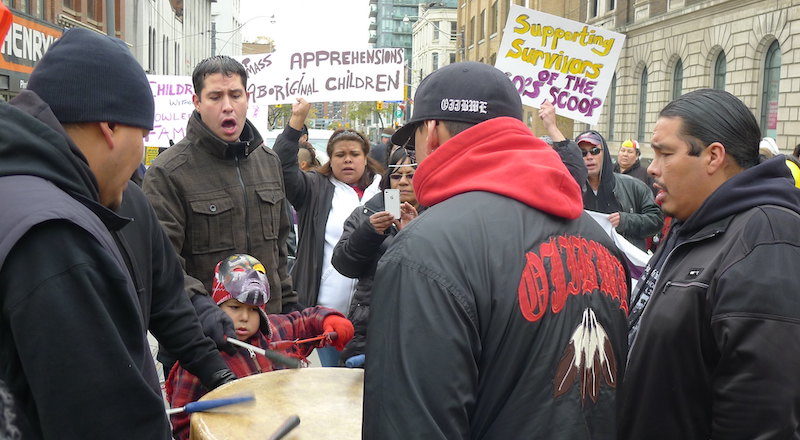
(274,356)
(209,404)
(283,345)
(285,428)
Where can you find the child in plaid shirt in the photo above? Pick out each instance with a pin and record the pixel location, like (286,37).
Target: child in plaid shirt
(241,289)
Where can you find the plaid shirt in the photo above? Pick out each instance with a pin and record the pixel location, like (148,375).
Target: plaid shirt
(183,387)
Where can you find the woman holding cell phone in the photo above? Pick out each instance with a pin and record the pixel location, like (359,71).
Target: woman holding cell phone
(324,198)
(368,232)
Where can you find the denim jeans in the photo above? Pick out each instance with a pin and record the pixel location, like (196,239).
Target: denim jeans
(328,356)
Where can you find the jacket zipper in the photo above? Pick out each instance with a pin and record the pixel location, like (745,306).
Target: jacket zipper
(246,207)
(667,284)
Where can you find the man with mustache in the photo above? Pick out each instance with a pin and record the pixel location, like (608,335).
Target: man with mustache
(715,320)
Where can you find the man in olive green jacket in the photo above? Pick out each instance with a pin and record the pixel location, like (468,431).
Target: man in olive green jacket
(219,191)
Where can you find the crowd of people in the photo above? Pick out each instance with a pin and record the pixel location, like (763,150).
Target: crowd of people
(493,306)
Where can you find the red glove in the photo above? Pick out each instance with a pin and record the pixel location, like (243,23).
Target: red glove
(343,328)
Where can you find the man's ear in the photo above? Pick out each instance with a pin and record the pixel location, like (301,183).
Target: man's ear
(107,130)
(196,102)
(715,157)
(433,136)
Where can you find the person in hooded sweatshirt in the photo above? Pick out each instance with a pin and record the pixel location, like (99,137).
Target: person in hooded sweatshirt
(715,319)
(73,328)
(500,311)
(628,202)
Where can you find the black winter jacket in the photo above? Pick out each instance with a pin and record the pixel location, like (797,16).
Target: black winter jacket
(717,352)
(501,311)
(72,332)
(311,194)
(638,171)
(356,256)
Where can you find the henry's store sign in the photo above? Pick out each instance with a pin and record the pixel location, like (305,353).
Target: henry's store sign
(26,43)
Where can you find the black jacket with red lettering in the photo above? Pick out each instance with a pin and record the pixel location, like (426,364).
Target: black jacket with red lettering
(500,312)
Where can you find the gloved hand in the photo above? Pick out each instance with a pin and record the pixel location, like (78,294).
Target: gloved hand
(343,328)
(216,324)
(220,378)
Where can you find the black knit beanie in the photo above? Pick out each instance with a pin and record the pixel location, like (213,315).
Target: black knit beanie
(89,77)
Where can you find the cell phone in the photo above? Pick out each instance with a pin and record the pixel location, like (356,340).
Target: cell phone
(391,201)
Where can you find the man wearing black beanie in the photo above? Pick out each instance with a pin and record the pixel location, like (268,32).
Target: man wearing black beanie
(75,303)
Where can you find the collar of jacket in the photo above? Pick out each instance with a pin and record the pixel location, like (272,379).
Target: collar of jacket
(499,156)
(112,220)
(202,137)
(618,169)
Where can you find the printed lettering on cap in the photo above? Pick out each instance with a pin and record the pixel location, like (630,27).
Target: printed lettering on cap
(464,105)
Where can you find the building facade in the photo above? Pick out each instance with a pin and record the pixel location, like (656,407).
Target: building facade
(746,47)
(227,38)
(37,24)
(433,41)
(673,47)
(169,37)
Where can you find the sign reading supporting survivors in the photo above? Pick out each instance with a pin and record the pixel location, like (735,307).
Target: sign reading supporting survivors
(325,75)
(566,62)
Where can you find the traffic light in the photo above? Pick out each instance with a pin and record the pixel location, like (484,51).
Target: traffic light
(379,105)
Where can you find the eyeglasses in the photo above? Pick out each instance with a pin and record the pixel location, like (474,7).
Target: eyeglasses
(595,151)
(399,176)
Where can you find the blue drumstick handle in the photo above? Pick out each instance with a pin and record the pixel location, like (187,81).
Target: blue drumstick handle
(214,403)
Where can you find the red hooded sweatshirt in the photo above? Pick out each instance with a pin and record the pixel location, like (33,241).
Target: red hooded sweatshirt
(500,156)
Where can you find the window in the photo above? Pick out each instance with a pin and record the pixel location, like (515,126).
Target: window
(75,5)
(720,70)
(435,60)
(642,105)
(493,19)
(593,8)
(452,58)
(482,26)
(611,106)
(471,36)
(677,80)
(436,30)
(769,96)
(611,5)
(94,9)
(151,50)
(164,54)
(453,30)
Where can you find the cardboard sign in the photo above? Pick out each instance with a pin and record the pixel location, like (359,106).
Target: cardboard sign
(566,62)
(325,75)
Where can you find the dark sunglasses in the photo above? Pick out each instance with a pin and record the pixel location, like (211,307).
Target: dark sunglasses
(595,151)
(399,177)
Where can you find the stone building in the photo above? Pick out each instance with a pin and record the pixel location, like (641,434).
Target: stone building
(672,47)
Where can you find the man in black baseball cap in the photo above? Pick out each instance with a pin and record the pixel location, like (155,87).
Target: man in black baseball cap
(502,307)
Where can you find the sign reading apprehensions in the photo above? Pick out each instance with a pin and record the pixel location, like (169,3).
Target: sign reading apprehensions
(566,62)
(325,75)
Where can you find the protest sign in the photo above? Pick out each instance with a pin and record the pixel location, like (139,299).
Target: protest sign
(566,62)
(325,75)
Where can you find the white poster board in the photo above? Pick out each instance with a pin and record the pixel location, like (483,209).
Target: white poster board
(325,75)
(566,62)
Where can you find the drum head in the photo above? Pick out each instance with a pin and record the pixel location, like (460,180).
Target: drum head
(328,401)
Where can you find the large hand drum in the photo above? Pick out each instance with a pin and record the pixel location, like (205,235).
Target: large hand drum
(328,401)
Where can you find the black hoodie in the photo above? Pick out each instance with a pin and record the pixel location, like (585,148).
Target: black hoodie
(717,352)
(72,335)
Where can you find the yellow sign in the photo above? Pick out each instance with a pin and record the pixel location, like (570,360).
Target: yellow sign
(150,154)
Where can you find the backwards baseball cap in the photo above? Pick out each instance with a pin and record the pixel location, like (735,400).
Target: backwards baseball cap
(590,137)
(89,77)
(243,278)
(387,132)
(464,92)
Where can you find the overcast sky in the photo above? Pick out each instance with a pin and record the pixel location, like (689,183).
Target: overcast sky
(307,24)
